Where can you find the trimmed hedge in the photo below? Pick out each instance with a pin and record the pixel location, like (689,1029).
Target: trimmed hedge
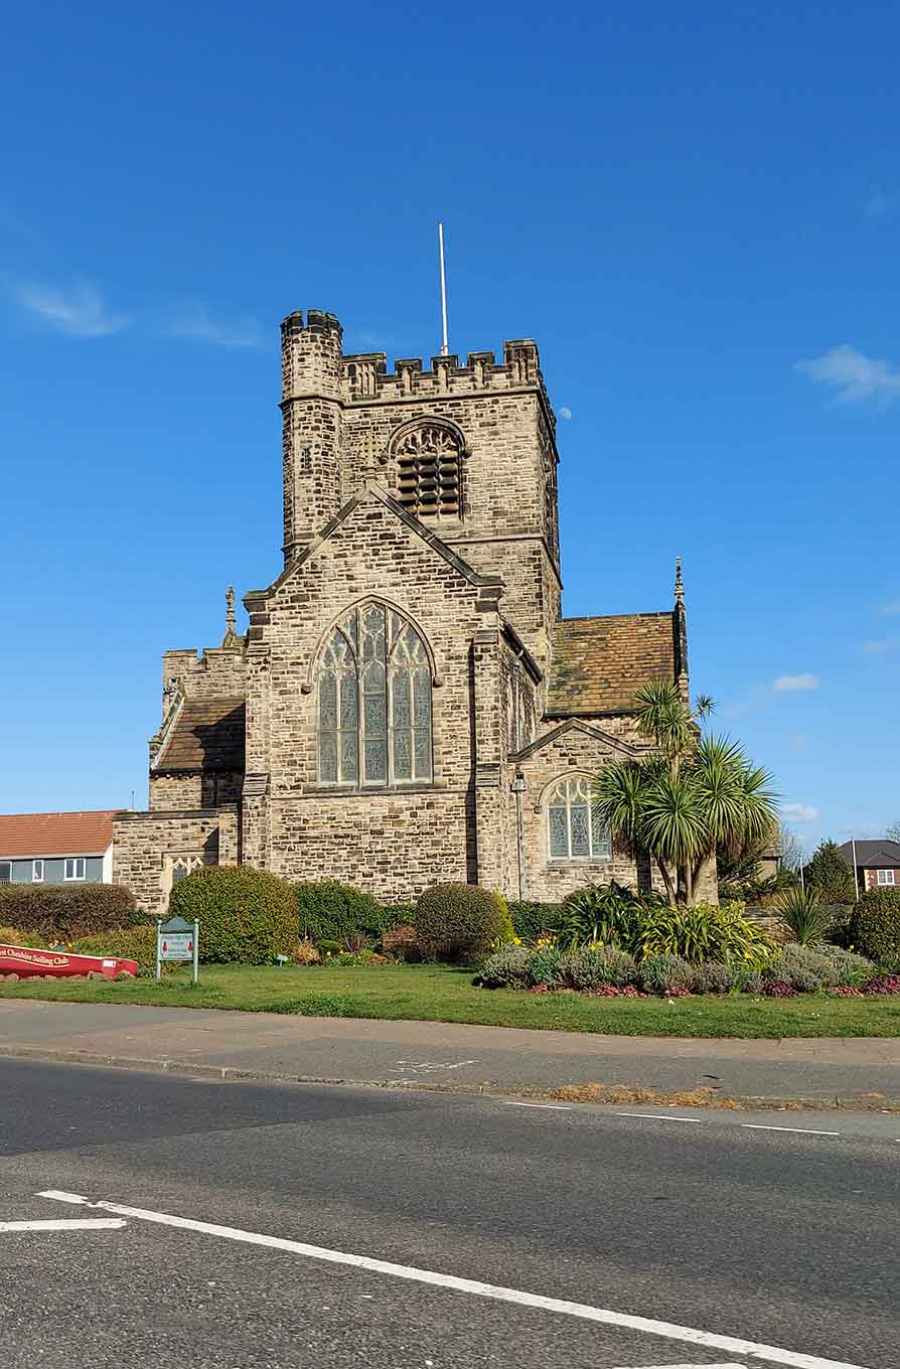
(245,915)
(875,926)
(531,919)
(330,911)
(130,943)
(60,912)
(459,921)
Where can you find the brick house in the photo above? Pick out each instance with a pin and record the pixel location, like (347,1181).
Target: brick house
(877,863)
(408,705)
(56,848)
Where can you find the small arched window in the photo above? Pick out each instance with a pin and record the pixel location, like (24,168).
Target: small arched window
(374,682)
(576,828)
(429,470)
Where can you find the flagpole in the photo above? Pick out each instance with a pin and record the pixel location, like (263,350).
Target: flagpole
(855,872)
(445,349)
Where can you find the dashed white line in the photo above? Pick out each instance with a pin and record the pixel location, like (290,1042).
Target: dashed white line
(86,1224)
(650,1326)
(548,1107)
(801,1131)
(661,1117)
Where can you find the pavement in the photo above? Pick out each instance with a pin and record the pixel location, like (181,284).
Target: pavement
(231,1225)
(854,1072)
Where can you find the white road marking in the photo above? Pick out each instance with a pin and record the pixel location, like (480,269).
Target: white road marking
(87,1224)
(684,1366)
(650,1326)
(548,1107)
(660,1117)
(802,1131)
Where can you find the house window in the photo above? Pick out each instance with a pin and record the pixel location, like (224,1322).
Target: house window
(76,868)
(37,872)
(428,461)
(576,829)
(885,876)
(374,682)
(5,872)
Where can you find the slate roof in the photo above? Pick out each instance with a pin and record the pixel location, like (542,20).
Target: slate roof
(208,734)
(55,834)
(600,663)
(873,855)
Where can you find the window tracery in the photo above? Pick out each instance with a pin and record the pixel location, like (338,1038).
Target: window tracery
(576,829)
(429,471)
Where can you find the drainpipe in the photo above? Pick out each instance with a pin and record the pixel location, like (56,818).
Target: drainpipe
(518,788)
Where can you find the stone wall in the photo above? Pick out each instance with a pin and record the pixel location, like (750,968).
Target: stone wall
(145,844)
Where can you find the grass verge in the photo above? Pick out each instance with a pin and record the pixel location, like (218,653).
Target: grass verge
(440,993)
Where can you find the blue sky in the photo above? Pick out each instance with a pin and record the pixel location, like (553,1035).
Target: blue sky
(695,211)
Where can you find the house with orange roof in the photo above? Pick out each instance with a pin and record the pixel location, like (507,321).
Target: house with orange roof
(56,848)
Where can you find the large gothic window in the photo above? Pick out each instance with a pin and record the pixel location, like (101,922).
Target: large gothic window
(429,473)
(576,829)
(374,701)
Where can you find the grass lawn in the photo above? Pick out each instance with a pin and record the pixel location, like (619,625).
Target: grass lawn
(439,993)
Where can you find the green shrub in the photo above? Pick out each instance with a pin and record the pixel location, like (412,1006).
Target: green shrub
(400,942)
(601,912)
(63,911)
(875,926)
(806,917)
(707,931)
(330,911)
(666,974)
(544,968)
(852,970)
(505,969)
(458,922)
(830,875)
(803,967)
(506,932)
(589,967)
(11,936)
(531,919)
(713,976)
(244,914)
(128,943)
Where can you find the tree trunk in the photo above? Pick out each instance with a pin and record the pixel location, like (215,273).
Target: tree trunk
(667,880)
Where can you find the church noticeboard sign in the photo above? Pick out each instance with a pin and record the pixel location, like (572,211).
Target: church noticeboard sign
(178,941)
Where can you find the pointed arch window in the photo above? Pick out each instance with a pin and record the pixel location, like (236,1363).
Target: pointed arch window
(576,830)
(374,681)
(429,470)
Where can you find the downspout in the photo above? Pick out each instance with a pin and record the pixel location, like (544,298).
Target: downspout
(518,788)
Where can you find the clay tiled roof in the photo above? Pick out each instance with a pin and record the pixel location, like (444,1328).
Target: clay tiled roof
(600,663)
(208,734)
(55,834)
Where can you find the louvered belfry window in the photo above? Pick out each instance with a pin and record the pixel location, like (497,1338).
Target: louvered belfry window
(429,472)
(374,683)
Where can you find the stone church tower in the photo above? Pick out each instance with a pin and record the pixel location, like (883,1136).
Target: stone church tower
(407,705)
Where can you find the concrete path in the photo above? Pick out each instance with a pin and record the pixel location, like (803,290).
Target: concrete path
(470,1058)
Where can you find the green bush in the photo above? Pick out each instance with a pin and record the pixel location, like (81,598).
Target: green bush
(707,931)
(458,922)
(713,976)
(59,912)
(830,875)
(875,926)
(506,932)
(601,912)
(804,968)
(544,968)
(806,917)
(330,911)
(505,969)
(11,936)
(590,967)
(245,915)
(852,970)
(128,943)
(531,919)
(666,974)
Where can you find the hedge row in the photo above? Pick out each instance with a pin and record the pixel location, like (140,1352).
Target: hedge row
(64,912)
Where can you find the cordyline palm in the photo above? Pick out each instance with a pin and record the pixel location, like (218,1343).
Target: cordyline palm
(691,796)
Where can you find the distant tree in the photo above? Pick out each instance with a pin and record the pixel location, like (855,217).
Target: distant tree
(830,875)
(790,849)
(893,832)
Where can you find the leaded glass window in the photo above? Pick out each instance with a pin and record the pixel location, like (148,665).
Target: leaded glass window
(374,701)
(576,828)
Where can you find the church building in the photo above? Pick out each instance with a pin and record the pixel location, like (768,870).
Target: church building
(407,705)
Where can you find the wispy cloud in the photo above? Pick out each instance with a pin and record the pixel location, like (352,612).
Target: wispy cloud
(880,647)
(565,412)
(196,322)
(790,683)
(79,310)
(878,204)
(799,812)
(854,377)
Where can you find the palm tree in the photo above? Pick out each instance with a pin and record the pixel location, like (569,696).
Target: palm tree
(689,797)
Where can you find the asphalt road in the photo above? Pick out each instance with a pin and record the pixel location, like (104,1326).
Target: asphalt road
(788,1239)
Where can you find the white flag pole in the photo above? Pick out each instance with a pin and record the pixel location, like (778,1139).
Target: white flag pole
(445,349)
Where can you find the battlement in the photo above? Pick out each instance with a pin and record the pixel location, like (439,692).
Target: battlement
(312,358)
